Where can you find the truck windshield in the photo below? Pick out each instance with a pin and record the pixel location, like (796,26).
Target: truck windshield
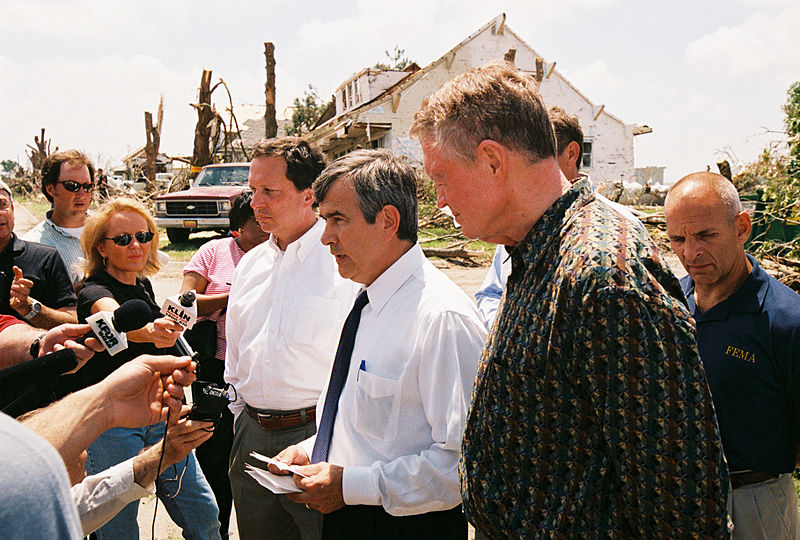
(223,176)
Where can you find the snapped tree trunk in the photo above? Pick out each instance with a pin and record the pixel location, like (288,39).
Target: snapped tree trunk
(152,143)
(201,156)
(270,124)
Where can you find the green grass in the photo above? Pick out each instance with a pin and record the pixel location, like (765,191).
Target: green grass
(38,207)
(183,251)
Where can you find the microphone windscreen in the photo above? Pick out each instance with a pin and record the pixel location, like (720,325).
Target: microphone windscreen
(132,315)
(32,371)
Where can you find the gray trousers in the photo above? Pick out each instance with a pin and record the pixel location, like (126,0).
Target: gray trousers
(260,514)
(767,510)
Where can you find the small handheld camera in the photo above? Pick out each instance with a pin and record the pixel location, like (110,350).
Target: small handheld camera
(209,402)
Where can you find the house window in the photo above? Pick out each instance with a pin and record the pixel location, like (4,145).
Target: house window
(377,143)
(586,162)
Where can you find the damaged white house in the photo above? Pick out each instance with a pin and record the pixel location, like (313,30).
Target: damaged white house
(375,108)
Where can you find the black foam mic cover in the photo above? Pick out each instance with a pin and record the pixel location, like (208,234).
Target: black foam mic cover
(131,315)
(37,369)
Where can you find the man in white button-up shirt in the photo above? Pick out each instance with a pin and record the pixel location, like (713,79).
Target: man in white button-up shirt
(286,306)
(391,470)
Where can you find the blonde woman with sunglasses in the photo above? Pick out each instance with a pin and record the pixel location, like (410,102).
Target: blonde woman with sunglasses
(120,245)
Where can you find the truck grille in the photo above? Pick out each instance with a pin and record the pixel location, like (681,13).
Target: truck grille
(192,208)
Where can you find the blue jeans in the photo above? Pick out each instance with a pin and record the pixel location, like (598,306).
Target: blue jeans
(193,509)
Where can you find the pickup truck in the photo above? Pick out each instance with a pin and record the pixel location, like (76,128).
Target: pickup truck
(205,205)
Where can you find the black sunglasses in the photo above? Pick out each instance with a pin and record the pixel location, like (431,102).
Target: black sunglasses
(142,237)
(74,187)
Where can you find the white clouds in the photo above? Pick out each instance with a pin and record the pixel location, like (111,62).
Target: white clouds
(77,19)
(596,80)
(96,104)
(765,46)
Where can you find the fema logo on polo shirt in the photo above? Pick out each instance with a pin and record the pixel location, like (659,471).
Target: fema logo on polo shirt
(740,354)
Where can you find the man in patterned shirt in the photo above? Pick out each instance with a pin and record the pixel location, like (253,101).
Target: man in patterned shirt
(591,416)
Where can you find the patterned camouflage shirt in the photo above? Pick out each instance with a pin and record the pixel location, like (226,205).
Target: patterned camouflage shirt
(591,416)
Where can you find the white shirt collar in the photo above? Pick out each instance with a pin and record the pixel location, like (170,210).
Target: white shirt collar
(303,245)
(394,277)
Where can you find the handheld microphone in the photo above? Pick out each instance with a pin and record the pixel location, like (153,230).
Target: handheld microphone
(110,327)
(182,309)
(33,371)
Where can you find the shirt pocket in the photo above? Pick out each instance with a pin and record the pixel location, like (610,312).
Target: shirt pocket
(377,411)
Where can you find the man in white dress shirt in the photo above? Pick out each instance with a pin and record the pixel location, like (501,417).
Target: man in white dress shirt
(390,468)
(286,306)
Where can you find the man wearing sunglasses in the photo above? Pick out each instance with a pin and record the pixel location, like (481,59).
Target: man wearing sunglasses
(68,183)
(34,284)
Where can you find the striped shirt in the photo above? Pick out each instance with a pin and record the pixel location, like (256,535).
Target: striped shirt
(216,261)
(67,244)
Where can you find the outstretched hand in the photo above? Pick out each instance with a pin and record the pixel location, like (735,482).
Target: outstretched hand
(141,391)
(64,336)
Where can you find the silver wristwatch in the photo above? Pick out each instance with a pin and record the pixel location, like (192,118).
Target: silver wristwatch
(36,308)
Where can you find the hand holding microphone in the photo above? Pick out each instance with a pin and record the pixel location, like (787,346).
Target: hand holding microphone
(110,327)
(181,309)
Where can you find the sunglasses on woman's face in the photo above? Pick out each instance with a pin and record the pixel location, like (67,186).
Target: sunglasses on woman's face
(142,237)
(74,187)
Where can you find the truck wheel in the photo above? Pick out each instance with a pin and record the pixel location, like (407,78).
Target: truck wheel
(177,235)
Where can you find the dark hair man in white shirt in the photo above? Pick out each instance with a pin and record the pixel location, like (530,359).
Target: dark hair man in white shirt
(384,461)
(285,307)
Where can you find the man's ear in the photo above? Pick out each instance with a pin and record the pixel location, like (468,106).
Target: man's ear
(743,226)
(50,189)
(492,157)
(389,219)
(308,196)
(574,150)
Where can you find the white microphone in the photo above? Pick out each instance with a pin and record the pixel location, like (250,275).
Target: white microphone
(182,309)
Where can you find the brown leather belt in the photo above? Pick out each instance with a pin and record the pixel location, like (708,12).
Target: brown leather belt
(282,421)
(750,477)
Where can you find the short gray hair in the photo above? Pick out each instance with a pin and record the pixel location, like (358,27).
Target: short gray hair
(497,102)
(723,189)
(379,179)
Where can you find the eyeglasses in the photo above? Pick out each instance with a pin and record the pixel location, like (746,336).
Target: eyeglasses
(143,237)
(74,187)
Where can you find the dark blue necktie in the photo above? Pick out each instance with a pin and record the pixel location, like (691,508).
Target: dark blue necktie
(341,365)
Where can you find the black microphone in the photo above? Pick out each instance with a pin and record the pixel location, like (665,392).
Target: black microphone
(131,315)
(33,371)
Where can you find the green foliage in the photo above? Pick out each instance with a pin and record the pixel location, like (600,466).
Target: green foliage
(397,60)
(307,111)
(792,110)
(775,176)
(8,165)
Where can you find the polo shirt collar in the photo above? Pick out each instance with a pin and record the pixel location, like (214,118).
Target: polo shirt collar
(394,277)
(48,220)
(16,244)
(749,298)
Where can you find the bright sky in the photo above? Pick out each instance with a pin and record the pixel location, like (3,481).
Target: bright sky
(707,76)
